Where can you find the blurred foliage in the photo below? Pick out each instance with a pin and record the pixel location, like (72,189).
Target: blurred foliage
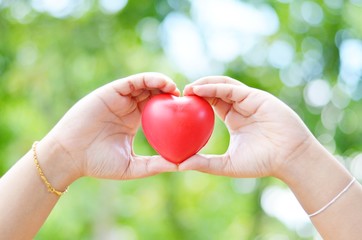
(49,59)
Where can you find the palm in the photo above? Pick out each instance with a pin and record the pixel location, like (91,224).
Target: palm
(264,132)
(100,129)
(109,145)
(261,141)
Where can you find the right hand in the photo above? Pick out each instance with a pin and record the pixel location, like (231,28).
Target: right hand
(265,134)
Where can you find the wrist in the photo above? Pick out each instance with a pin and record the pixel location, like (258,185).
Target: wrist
(304,159)
(310,160)
(55,164)
(315,176)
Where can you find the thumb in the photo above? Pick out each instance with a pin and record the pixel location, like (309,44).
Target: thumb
(213,164)
(144,166)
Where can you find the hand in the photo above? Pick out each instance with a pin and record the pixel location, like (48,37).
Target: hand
(265,134)
(95,136)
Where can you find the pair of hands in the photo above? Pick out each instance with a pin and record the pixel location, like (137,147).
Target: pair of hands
(96,135)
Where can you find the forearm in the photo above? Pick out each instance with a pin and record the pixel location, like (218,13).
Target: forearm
(316,179)
(25,202)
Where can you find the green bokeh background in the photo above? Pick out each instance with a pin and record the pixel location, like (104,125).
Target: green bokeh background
(48,62)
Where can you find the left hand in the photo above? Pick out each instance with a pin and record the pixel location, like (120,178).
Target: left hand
(95,136)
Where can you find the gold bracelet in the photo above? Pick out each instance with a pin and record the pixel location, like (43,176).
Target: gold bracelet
(42,176)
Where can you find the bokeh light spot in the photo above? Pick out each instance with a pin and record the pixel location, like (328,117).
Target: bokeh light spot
(312,13)
(317,93)
(112,6)
(282,204)
(280,54)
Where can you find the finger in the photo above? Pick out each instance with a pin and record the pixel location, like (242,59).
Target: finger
(143,166)
(142,81)
(143,101)
(227,92)
(142,96)
(213,164)
(221,107)
(216,79)
(245,100)
(210,80)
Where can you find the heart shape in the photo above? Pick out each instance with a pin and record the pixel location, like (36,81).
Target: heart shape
(177,127)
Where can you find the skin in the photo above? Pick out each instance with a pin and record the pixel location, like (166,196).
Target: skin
(267,138)
(94,138)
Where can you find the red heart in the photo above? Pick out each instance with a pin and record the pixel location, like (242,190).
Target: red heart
(177,127)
